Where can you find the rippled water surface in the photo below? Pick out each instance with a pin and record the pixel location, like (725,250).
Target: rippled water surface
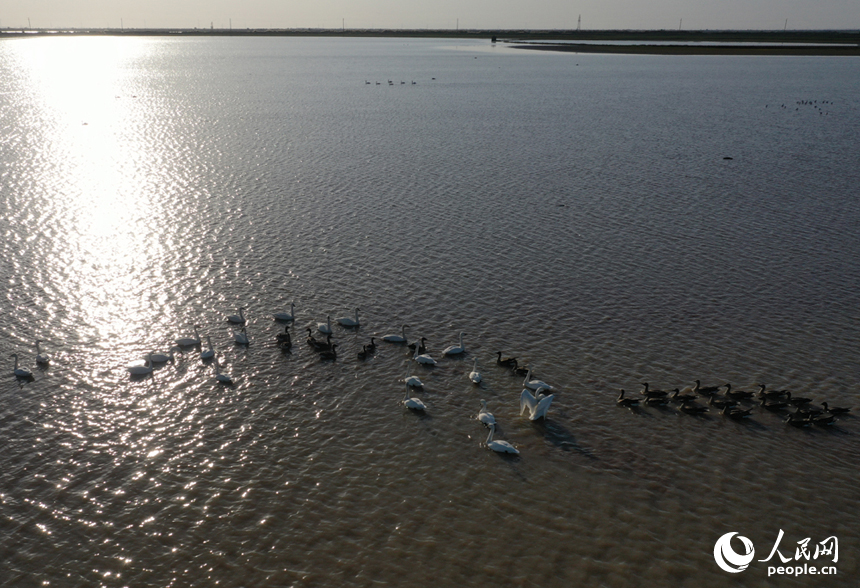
(576,211)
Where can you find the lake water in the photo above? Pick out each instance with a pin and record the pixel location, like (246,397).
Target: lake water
(575,211)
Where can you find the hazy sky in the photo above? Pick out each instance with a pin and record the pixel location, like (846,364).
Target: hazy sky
(480,14)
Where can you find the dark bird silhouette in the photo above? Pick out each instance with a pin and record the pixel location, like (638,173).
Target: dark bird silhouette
(626,402)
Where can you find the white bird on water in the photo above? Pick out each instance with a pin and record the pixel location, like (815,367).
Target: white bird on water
(325,327)
(537,405)
(535,384)
(162,358)
(241,337)
(423,358)
(486,416)
(209,353)
(41,360)
(219,377)
(346,321)
(412,403)
(237,319)
(188,341)
(475,375)
(20,372)
(141,370)
(455,349)
(413,381)
(499,446)
(286,316)
(397,338)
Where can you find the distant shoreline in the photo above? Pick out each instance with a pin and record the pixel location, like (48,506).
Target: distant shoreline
(660,42)
(823,50)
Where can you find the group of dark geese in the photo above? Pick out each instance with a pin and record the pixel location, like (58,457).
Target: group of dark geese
(798,411)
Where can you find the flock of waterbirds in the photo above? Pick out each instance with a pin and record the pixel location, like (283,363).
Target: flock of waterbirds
(535,398)
(738,405)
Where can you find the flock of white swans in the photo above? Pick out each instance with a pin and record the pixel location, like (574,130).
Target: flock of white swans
(535,398)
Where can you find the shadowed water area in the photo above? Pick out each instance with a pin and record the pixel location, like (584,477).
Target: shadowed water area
(609,220)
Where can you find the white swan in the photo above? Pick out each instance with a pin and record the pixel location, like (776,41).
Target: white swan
(189,342)
(209,353)
(535,384)
(325,327)
(41,360)
(486,416)
(527,400)
(141,370)
(284,316)
(413,381)
(397,338)
(348,322)
(161,358)
(455,349)
(499,446)
(475,375)
(241,337)
(219,377)
(20,372)
(413,403)
(538,405)
(424,358)
(237,319)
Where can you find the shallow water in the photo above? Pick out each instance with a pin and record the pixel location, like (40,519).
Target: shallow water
(573,210)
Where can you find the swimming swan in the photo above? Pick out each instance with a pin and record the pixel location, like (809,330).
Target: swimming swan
(219,377)
(20,372)
(535,384)
(538,405)
(41,360)
(499,446)
(141,370)
(455,349)
(162,358)
(284,316)
(237,319)
(189,342)
(412,403)
(413,381)
(325,328)
(397,338)
(475,375)
(209,353)
(486,416)
(424,359)
(241,337)
(348,322)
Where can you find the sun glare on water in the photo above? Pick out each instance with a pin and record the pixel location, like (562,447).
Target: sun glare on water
(93,174)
